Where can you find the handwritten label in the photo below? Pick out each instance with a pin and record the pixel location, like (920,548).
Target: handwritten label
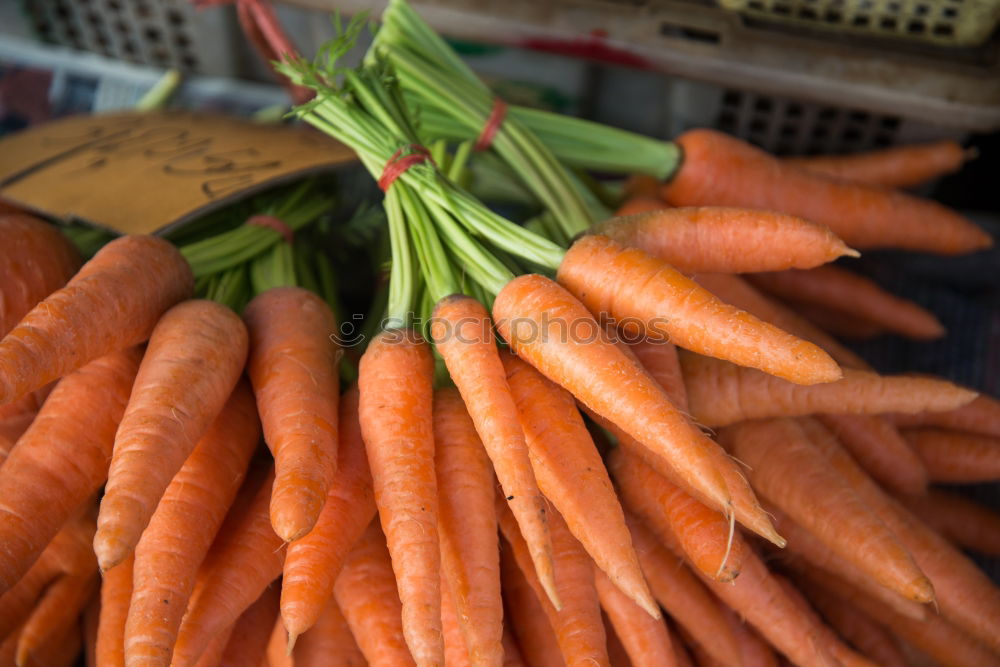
(141,173)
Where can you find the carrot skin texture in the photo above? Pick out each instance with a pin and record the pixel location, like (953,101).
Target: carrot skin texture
(573,477)
(455,652)
(981,415)
(716,239)
(895,167)
(725,171)
(173,546)
(293,367)
(877,445)
(57,612)
(35,261)
(956,457)
(314,561)
(78,323)
(646,640)
(116,592)
(195,356)
(328,643)
(247,643)
(463,335)
(366,593)
(396,378)
(963,521)
(467,528)
(853,294)
(599,374)
(632,286)
(641,204)
(65,451)
(721,393)
(526,616)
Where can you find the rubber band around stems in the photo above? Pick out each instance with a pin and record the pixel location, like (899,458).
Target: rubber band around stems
(271,222)
(493,123)
(399,163)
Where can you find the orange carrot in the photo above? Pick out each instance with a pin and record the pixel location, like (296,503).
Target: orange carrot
(57,612)
(723,171)
(659,358)
(646,640)
(703,534)
(328,643)
(641,204)
(467,528)
(293,368)
(956,457)
(754,651)
(721,393)
(212,655)
(602,377)
(572,476)
(683,597)
(314,561)
(81,322)
(512,652)
(982,416)
(366,592)
(278,651)
(172,546)
(244,559)
(396,377)
(963,521)
(116,591)
(463,334)
(11,430)
(681,655)
(59,649)
(632,287)
(61,459)
(876,444)
(641,185)
(617,656)
(839,323)
(896,167)
(247,643)
(524,610)
(855,295)
(788,471)
(194,358)
(577,625)
(727,240)
(36,260)
(455,653)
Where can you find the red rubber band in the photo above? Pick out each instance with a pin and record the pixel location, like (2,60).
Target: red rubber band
(271,222)
(396,165)
(493,122)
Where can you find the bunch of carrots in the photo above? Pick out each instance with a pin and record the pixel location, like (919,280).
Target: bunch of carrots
(637,452)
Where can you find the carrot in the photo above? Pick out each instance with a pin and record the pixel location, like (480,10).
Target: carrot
(981,416)
(81,322)
(640,204)
(727,240)
(963,521)
(467,528)
(956,457)
(245,558)
(194,358)
(212,655)
(57,612)
(36,260)
(61,459)
(577,625)
(59,649)
(572,476)
(895,167)
(838,322)
(876,444)
(681,655)
(366,592)
(455,653)
(11,430)
(172,546)
(617,656)
(602,377)
(247,643)
(683,597)
(91,618)
(640,185)
(328,643)
(646,640)
(723,171)
(738,292)
(704,535)
(721,393)
(754,651)
(788,471)
(116,591)
(314,561)
(463,334)
(511,651)
(293,368)
(659,358)
(527,618)
(965,596)
(396,377)
(278,654)
(631,286)
(856,626)
(853,294)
